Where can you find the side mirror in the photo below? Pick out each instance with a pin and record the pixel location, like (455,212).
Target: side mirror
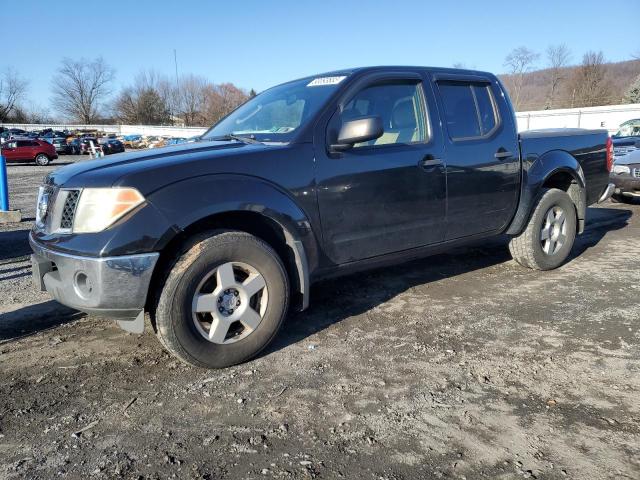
(358,130)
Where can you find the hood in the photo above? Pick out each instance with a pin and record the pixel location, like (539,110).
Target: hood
(630,158)
(107,170)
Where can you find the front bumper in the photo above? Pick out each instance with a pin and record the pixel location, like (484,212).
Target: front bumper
(113,287)
(626,185)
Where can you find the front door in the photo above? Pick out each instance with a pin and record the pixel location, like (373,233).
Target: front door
(483,159)
(10,151)
(388,194)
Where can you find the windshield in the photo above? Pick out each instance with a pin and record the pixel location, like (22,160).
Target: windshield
(629,128)
(276,114)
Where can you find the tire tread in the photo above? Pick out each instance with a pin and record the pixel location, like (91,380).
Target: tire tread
(214,239)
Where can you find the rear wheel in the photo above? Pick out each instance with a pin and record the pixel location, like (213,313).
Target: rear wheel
(547,241)
(42,159)
(223,301)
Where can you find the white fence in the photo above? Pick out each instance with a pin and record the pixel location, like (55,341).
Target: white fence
(609,117)
(117,129)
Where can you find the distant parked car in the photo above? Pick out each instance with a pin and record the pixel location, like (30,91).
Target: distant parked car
(61,145)
(51,134)
(176,141)
(626,177)
(627,139)
(111,145)
(156,142)
(81,146)
(132,141)
(29,150)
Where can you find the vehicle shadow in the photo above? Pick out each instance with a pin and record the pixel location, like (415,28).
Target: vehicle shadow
(14,244)
(35,318)
(335,300)
(55,163)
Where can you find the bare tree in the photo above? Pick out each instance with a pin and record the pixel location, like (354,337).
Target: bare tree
(519,61)
(590,86)
(632,95)
(558,57)
(191,99)
(221,100)
(143,102)
(80,86)
(12,90)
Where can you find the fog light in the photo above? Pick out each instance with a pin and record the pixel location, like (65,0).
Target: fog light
(82,285)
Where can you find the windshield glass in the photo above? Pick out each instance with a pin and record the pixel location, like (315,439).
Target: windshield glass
(630,128)
(276,114)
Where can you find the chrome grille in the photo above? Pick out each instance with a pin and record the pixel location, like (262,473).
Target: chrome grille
(69,209)
(636,172)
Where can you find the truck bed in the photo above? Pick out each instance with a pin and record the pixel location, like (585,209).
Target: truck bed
(588,147)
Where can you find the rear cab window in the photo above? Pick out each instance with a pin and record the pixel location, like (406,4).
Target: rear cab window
(470,109)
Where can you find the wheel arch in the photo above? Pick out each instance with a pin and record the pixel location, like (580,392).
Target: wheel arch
(554,169)
(238,203)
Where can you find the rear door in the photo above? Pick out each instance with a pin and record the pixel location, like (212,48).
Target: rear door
(389,194)
(483,161)
(25,149)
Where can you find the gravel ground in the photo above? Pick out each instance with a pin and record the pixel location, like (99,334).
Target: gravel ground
(462,365)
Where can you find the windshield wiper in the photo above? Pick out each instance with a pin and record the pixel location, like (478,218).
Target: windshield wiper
(233,136)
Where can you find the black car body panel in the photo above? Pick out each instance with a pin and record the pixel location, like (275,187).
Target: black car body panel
(342,211)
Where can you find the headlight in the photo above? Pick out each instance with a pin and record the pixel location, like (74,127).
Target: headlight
(98,208)
(618,169)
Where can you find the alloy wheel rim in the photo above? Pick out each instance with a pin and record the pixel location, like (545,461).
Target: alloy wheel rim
(230,303)
(554,230)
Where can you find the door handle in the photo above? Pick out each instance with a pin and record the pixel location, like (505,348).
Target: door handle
(429,162)
(503,154)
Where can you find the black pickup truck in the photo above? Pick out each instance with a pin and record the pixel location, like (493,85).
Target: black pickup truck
(315,178)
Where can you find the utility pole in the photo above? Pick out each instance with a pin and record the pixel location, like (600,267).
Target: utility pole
(175,62)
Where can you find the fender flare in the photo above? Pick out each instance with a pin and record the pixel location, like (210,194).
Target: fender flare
(536,172)
(188,201)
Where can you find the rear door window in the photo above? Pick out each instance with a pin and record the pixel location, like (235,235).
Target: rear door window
(470,110)
(486,108)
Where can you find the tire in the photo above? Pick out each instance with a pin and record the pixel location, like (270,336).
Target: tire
(199,279)
(535,247)
(42,160)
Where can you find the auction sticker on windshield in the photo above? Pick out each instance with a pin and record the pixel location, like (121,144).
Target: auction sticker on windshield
(322,81)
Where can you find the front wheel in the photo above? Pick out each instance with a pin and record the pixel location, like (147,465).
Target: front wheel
(223,301)
(42,160)
(548,238)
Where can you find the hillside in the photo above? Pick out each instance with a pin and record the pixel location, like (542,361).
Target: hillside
(616,79)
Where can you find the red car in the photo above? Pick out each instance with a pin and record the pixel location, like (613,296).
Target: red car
(26,150)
